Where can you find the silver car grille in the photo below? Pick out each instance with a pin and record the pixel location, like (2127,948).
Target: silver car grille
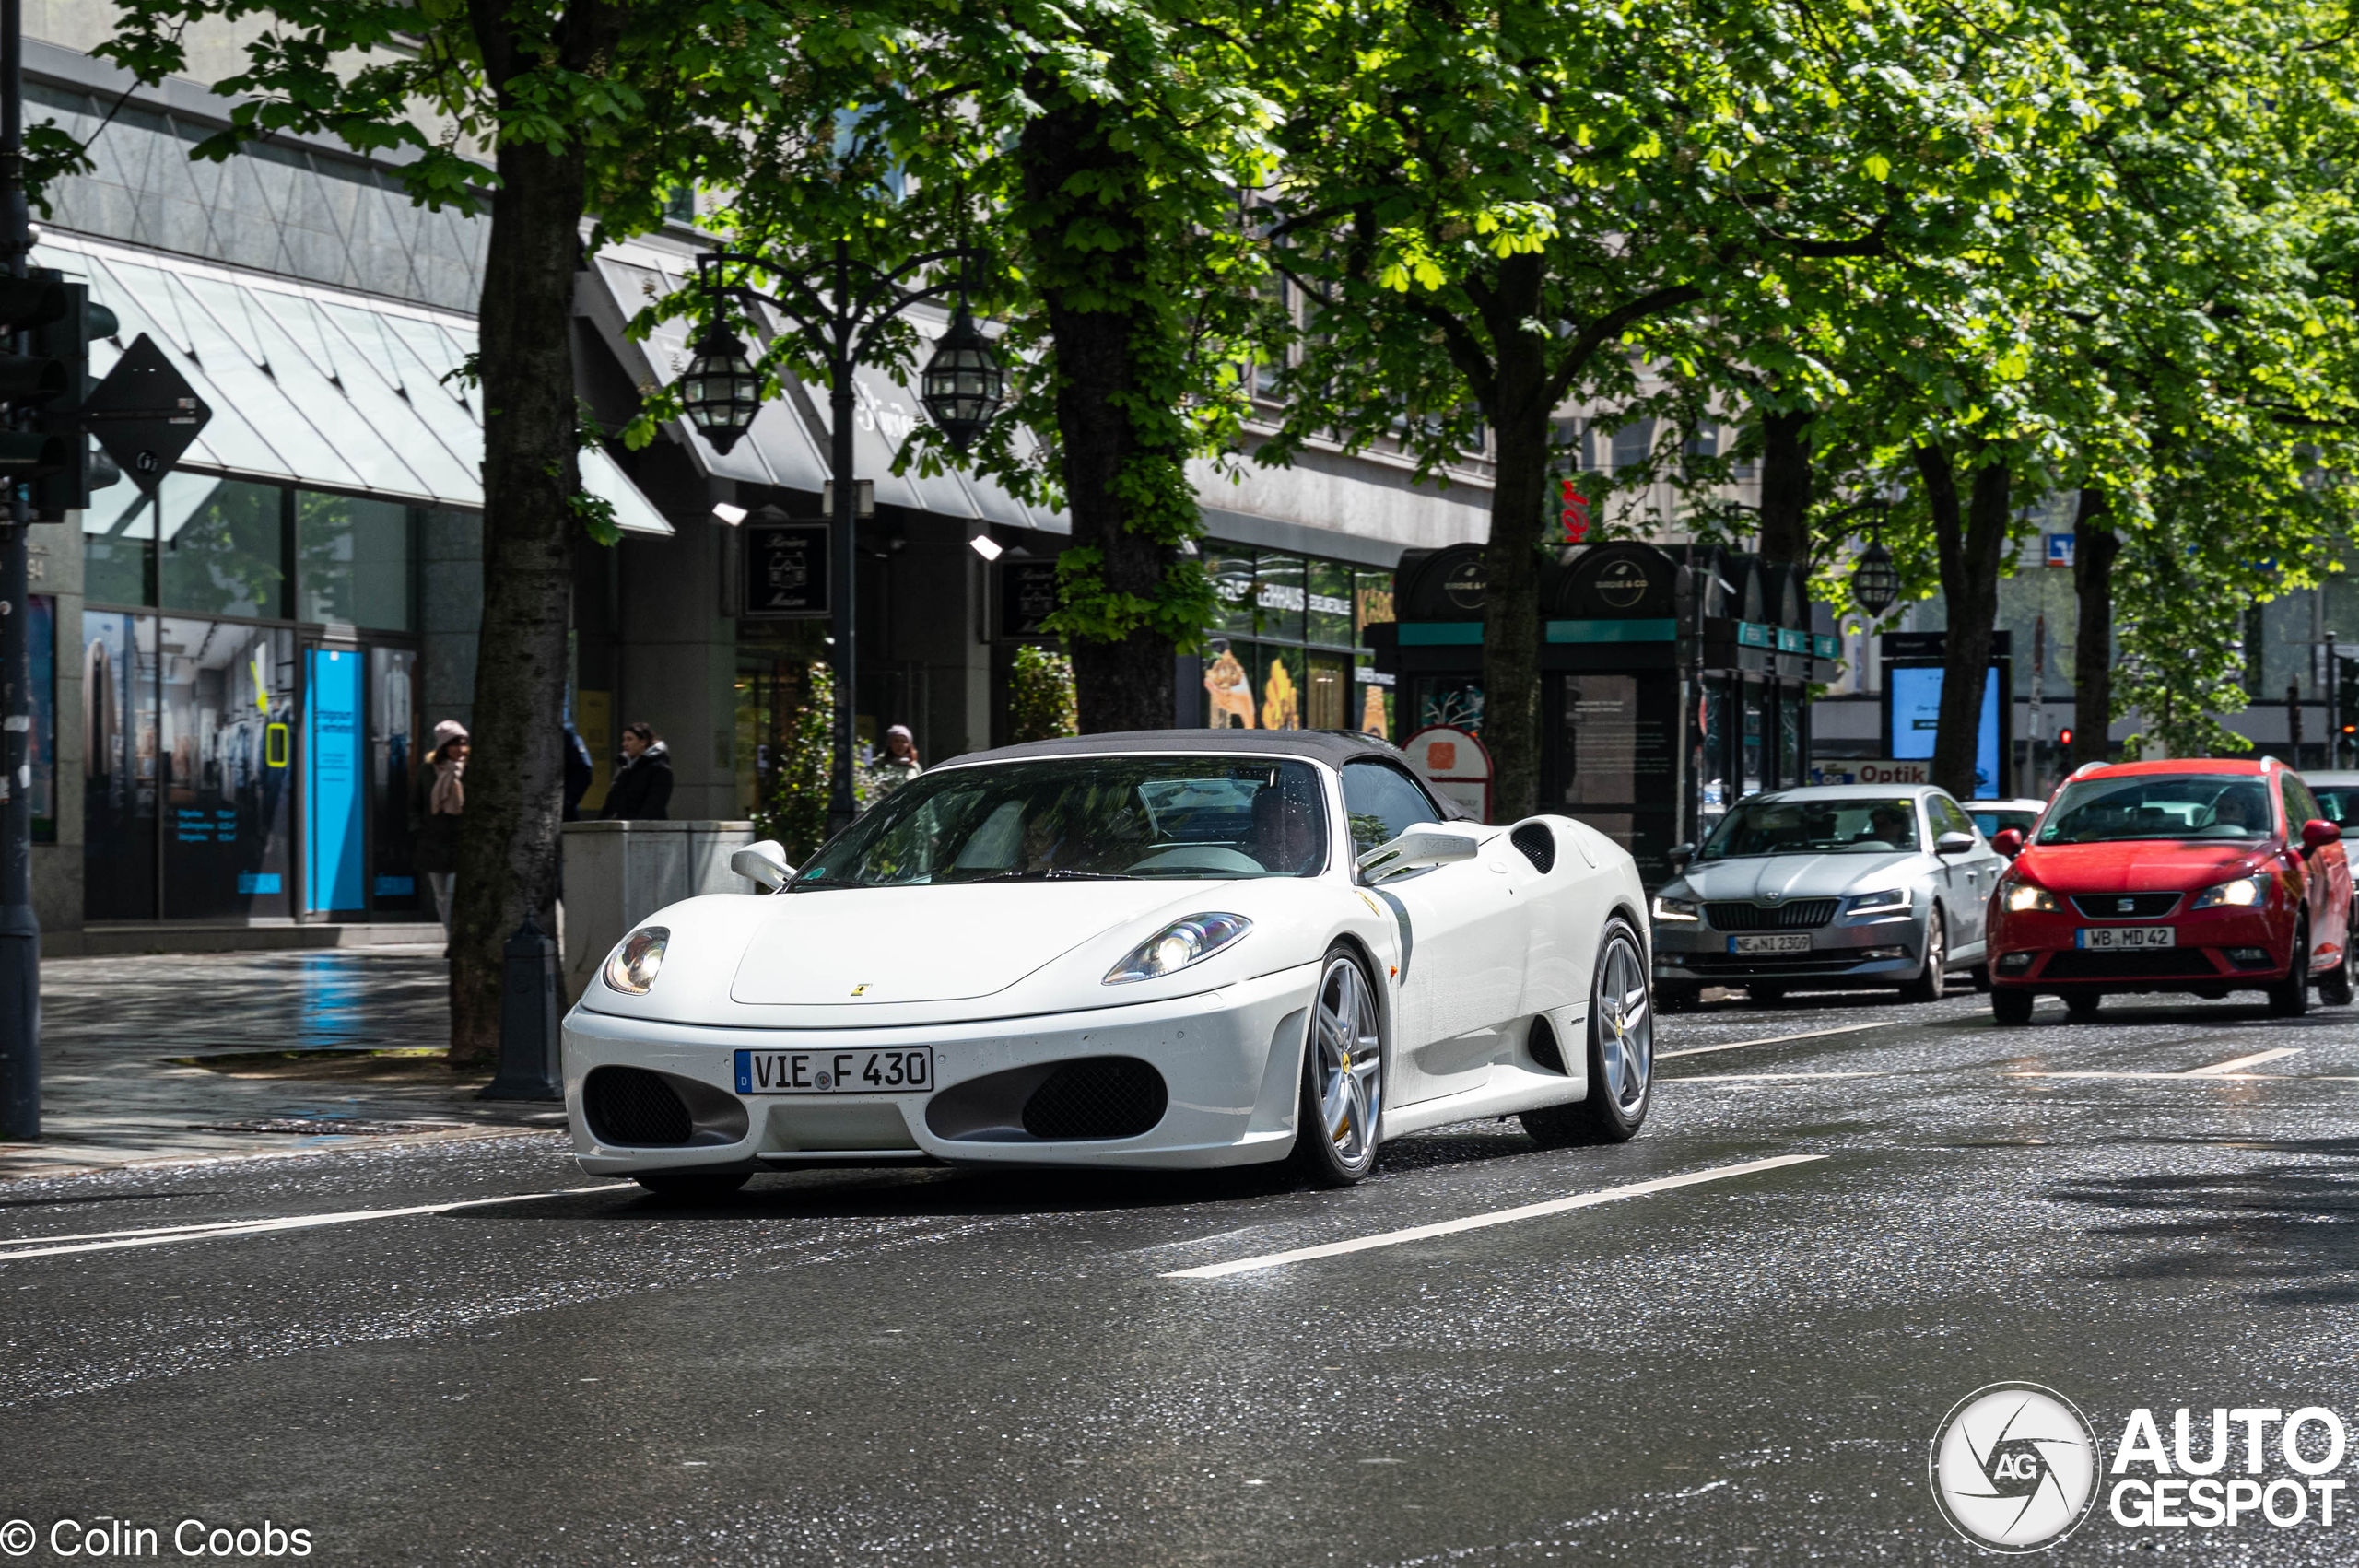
(1801,914)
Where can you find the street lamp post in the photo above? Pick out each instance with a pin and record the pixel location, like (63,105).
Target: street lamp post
(963,386)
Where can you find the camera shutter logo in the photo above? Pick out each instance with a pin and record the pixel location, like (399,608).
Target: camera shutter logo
(2015,1467)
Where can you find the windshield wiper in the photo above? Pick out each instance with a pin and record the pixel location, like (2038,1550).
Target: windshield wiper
(1052,874)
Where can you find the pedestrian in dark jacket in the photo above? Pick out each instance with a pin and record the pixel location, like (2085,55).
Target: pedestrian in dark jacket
(437,796)
(642,790)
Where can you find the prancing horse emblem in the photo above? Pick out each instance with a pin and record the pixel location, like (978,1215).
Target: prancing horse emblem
(862,987)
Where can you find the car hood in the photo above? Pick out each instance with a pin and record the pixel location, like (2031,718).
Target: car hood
(1800,876)
(2137,865)
(878,947)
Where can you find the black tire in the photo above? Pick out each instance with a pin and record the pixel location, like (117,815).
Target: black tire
(2010,1009)
(1929,984)
(1766,993)
(1339,1117)
(2335,986)
(693,1186)
(1678,996)
(2080,1007)
(1621,1052)
(1980,976)
(2290,997)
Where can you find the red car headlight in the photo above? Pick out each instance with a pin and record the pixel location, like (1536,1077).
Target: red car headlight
(2246,892)
(2020,897)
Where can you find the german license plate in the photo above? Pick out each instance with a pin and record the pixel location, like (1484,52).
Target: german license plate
(2124,937)
(1796,942)
(835,1072)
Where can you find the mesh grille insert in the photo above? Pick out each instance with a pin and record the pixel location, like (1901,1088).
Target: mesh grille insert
(1803,914)
(634,1107)
(2152,964)
(1107,1096)
(1539,846)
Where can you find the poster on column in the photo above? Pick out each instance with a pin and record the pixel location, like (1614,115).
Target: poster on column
(332,753)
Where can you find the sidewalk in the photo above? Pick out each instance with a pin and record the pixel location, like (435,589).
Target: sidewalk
(180,1057)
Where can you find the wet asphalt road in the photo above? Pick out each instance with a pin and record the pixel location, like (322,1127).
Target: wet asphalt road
(943,1367)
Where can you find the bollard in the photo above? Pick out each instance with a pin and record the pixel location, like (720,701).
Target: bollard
(528,1019)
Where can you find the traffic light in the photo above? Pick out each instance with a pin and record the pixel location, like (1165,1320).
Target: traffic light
(83,468)
(2064,737)
(28,305)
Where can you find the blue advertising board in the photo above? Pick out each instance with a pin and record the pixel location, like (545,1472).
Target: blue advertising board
(1914,694)
(334,773)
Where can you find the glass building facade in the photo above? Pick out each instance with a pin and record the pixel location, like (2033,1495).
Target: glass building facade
(1289,649)
(249,660)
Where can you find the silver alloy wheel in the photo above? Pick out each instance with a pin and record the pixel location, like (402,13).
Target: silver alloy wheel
(1347,1064)
(1625,1024)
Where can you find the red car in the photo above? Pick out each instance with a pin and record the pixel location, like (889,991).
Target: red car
(2201,876)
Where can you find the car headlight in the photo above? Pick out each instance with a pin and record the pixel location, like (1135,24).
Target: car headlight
(1676,908)
(2242,893)
(634,965)
(1176,945)
(2023,898)
(1891,901)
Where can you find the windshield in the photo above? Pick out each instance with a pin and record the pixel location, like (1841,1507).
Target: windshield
(1085,818)
(1994,822)
(2192,805)
(1815,827)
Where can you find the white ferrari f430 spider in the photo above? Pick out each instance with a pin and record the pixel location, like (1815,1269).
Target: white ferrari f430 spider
(1163,949)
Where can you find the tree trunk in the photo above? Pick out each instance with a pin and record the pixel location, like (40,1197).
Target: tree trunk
(508,835)
(1519,408)
(1093,254)
(2094,547)
(1971,546)
(1785,485)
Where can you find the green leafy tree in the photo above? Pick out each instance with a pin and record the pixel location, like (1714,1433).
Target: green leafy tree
(541,113)
(1491,213)
(794,808)
(1041,702)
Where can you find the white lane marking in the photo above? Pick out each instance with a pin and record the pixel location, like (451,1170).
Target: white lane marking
(2183,1077)
(1778,1039)
(110,1241)
(1767,1077)
(1481,1222)
(2241,1063)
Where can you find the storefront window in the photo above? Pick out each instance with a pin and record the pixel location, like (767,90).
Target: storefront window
(228,705)
(1289,646)
(352,561)
(1279,674)
(1329,585)
(43,762)
(1278,597)
(119,548)
(1231,571)
(222,552)
(118,765)
(393,745)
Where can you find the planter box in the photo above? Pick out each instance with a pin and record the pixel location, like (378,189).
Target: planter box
(618,873)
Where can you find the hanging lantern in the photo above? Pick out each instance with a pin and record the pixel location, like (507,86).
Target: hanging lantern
(722,390)
(963,385)
(1875,581)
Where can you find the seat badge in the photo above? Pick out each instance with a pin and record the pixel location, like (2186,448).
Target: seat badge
(2126,906)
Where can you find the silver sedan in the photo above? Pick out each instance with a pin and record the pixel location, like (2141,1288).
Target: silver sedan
(1841,886)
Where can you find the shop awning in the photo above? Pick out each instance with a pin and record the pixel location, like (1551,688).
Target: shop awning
(310,385)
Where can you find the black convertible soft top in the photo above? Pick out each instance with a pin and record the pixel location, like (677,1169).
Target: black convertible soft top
(1332,746)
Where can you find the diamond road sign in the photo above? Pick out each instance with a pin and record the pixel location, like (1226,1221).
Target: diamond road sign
(145,414)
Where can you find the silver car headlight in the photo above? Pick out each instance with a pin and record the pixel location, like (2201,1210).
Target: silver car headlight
(633,965)
(1891,901)
(1676,910)
(2242,893)
(1176,945)
(2024,897)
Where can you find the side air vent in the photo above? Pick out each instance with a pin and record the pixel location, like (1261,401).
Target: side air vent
(1539,846)
(1541,1044)
(634,1107)
(1107,1096)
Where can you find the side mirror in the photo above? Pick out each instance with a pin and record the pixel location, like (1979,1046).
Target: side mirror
(1417,847)
(1954,843)
(1678,855)
(763,864)
(2317,833)
(2008,841)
